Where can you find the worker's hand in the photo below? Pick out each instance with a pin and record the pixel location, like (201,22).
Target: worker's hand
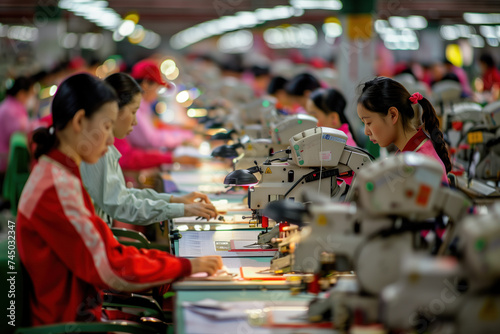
(190,198)
(206,264)
(200,209)
(196,204)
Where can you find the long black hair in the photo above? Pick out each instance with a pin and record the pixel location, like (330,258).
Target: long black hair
(125,87)
(277,83)
(80,91)
(20,84)
(380,94)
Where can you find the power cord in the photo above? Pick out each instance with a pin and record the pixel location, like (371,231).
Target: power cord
(320,159)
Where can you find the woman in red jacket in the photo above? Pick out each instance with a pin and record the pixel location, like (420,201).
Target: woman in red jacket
(69,252)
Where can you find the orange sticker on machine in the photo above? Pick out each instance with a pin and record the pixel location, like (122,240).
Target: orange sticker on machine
(475,137)
(424,193)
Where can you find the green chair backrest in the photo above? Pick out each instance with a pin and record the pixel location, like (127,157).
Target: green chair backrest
(18,170)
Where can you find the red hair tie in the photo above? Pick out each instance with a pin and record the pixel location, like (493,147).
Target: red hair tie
(415,97)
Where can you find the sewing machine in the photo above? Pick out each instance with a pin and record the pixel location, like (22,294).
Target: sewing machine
(394,198)
(488,167)
(243,115)
(484,143)
(252,119)
(282,130)
(406,186)
(318,157)
(459,293)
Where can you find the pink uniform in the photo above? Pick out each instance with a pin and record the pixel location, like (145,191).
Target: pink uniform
(146,135)
(13,118)
(421,143)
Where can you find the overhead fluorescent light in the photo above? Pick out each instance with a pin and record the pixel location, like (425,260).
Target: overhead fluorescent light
(482,18)
(317,4)
(98,12)
(295,36)
(476,41)
(236,42)
(240,20)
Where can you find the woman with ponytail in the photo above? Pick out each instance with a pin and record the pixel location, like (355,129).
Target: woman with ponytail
(69,252)
(386,109)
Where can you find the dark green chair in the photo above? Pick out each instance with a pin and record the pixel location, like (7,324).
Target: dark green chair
(18,170)
(137,239)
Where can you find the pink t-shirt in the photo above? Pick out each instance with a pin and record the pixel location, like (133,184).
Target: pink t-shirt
(146,135)
(345,129)
(137,158)
(13,118)
(415,145)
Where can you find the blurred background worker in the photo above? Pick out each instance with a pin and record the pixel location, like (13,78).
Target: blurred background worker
(105,182)
(20,98)
(146,135)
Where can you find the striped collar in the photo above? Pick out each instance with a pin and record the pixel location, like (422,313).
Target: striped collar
(416,142)
(65,161)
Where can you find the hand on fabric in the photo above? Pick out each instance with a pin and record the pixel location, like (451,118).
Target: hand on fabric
(200,209)
(190,198)
(206,264)
(196,204)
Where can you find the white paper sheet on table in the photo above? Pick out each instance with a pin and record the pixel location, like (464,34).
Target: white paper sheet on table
(232,219)
(201,243)
(234,264)
(190,177)
(230,317)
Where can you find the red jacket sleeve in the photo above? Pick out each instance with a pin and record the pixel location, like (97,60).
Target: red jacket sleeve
(88,248)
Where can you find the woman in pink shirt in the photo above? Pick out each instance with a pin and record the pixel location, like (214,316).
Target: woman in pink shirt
(327,105)
(386,109)
(14,115)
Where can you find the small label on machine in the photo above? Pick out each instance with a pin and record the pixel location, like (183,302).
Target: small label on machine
(325,155)
(330,137)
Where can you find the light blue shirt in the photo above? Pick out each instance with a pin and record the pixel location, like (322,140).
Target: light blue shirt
(105,183)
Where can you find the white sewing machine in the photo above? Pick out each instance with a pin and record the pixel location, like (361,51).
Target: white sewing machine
(393,200)
(318,157)
(406,186)
(484,141)
(253,119)
(281,131)
(458,293)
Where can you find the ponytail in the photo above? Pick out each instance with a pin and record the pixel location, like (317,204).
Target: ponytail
(431,125)
(45,140)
